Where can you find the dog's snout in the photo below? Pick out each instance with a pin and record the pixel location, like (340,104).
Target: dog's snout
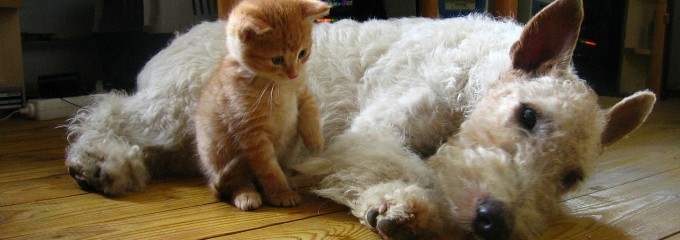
(493,220)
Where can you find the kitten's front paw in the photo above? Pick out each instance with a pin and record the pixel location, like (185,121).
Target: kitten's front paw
(315,144)
(247,201)
(311,136)
(284,199)
(398,211)
(111,169)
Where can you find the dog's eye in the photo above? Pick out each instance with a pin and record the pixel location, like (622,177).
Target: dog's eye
(570,178)
(527,117)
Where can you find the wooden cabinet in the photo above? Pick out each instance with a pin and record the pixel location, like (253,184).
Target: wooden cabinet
(11,60)
(643,50)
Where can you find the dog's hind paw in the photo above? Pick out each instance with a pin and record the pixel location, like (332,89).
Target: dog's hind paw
(111,169)
(399,211)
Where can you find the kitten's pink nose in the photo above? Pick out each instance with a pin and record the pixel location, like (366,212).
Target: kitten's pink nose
(292,75)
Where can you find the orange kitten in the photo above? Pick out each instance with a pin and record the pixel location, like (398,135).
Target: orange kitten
(253,108)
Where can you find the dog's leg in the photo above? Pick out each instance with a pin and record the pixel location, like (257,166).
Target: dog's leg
(387,187)
(106,164)
(109,141)
(397,209)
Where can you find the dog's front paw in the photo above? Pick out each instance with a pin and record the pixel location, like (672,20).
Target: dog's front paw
(399,211)
(109,168)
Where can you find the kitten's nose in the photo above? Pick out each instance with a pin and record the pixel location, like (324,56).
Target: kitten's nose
(493,220)
(292,75)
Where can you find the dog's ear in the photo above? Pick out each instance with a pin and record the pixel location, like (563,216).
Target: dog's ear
(548,40)
(626,116)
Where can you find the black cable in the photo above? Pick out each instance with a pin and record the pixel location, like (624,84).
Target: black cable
(9,115)
(71,103)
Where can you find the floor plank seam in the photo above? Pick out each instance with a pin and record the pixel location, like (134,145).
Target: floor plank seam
(619,185)
(270,225)
(32,150)
(677,233)
(43,200)
(83,192)
(33,172)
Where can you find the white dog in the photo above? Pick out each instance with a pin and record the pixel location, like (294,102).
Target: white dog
(505,124)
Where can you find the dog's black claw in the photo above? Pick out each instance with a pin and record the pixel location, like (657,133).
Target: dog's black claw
(393,229)
(82,183)
(97,172)
(73,172)
(403,234)
(372,218)
(388,226)
(85,186)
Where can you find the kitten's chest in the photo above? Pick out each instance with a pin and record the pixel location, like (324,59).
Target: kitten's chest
(282,118)
(283,110)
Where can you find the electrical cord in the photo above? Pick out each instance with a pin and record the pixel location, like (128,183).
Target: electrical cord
(30,110)
(9,115)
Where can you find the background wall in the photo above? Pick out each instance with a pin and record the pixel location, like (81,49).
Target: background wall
(57,39)
(673,82)
(99,44)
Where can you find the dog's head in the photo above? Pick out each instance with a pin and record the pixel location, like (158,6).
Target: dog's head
(534,135)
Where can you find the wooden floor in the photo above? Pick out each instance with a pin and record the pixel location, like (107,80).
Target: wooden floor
(634,194)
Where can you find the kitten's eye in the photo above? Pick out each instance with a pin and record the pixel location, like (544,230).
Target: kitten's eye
(277,60)
(527,117)
(570,178)
(302,54)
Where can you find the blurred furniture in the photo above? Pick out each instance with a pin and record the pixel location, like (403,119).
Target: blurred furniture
(11,61)
(370,9)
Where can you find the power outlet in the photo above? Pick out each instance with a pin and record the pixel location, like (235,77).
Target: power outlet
(45,109)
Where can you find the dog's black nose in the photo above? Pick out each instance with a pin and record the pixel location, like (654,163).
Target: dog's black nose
(492,220)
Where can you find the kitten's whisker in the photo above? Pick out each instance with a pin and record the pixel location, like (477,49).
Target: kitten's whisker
(271,97)
(259,99)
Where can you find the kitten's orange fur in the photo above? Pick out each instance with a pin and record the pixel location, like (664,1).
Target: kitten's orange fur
(253,108)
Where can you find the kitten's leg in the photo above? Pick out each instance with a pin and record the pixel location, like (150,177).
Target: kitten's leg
(228,177)
(308,122)
(234,184)
(262,161)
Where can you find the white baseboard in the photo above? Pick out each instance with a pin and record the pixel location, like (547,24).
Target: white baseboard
(45,109)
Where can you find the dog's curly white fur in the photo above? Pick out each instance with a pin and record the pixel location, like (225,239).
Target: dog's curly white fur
(508,125)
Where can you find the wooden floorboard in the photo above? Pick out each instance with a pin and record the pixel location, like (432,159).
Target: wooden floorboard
(634,193)
(618,166)
(648,207)
(337,225)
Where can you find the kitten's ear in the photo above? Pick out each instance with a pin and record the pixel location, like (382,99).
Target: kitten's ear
(251,27)
(312,10)
(548,40)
